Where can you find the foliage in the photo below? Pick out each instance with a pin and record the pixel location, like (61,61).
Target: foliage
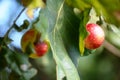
(62,24)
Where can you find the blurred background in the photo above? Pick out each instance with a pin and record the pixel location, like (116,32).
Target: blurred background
(104,64)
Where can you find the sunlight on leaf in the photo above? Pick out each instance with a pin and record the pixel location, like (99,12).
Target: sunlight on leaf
(31,5)
(30,13)
(60,73)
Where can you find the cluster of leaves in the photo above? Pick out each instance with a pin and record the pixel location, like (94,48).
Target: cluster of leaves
(103,8)
(65,30)
(60,23)
(12,59)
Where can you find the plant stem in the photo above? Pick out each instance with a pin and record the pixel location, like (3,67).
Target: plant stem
(15,21)
(111,48)
(18,15)
(6,35)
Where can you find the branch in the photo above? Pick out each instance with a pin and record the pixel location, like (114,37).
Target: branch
(6,35)
(15,20)
(19,15)
(111,48)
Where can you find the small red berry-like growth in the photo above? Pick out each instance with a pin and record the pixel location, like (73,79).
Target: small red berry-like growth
(31,44)
(95,36)
(41,48)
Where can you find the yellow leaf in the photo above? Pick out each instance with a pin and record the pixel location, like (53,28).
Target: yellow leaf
(33,55)
(36,4)
(30,13)
(81,45)
(29,37)
(31,5)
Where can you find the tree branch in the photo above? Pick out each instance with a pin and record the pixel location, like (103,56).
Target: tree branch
(6,35)
(111,48)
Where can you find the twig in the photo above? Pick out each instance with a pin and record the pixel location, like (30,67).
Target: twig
(6,35)
(111,48)
(16,20)
(19,15)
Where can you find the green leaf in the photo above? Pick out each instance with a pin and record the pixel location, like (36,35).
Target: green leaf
(102,7)
(10,59)
(61,57)
(1,41)
(60,73)
(5,40)
(80,4)
(2,59)
(110,13)
(84,17)
(29,74)
(60,26)
(4,74)
(18,63)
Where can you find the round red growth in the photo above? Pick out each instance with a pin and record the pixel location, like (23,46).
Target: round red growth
(95,37)
(41,48)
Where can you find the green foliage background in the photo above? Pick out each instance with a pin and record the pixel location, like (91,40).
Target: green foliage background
(64,28)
